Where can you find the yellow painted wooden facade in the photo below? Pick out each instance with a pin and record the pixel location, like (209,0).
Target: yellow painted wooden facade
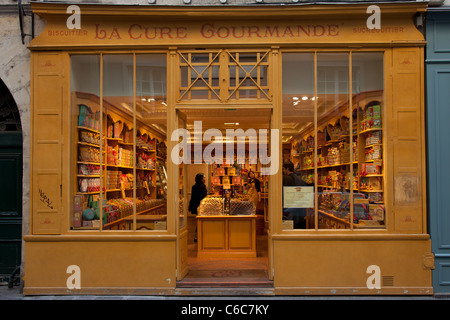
(300,261)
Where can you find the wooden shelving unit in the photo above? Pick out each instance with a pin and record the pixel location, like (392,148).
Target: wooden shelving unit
(342,152)
(113,164)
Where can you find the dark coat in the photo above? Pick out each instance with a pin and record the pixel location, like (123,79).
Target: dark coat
(198,193)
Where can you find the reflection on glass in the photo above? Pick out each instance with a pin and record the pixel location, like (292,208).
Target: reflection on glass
(119,145)
(118,175)
(151,135)
(334,151)
(85,149)
(334,138)
(182,205)
(369,208)
(298,133)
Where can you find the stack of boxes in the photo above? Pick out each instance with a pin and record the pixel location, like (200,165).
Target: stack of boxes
(344,151)
(334,156)
(125,157)
(113,179)
(88,119)
(371,118)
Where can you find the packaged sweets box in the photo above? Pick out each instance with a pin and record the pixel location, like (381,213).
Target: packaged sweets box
(376,212)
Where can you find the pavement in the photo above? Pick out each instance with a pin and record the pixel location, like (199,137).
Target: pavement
(16,294)
(223,307)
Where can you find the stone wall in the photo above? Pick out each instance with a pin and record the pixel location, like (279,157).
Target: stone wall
(15,73)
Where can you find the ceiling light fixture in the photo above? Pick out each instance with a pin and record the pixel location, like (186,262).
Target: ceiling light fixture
(305,98)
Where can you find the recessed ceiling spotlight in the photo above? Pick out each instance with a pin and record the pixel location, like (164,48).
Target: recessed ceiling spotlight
(294,98)
(305,98)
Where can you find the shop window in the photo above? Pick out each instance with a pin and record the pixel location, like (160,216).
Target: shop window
(334,136)
(119,142)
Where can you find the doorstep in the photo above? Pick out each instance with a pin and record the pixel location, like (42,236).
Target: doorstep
(255,278)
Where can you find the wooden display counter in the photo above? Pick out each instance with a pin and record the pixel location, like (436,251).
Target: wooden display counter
(226,236)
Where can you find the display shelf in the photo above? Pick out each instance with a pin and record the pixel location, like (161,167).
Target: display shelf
(370,130)
(334,148)
(87,129)
(81,143)
(120,162)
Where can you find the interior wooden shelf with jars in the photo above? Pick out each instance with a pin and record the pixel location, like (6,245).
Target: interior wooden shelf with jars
(115,164)
(341,153)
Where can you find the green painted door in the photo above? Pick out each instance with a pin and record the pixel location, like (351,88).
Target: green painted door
(10,201)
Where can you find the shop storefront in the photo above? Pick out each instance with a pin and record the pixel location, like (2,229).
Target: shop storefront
(117,102)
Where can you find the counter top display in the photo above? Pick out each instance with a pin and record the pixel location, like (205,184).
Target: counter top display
(226,236)
(217,205)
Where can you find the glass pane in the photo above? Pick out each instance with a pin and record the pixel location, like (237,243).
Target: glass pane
(85,148)
(182,205)
(117,134)
(298,138)
(151,147)
(333,122)
(199,75)
(368,109)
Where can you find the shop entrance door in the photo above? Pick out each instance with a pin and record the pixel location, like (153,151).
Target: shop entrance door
(182,209)
(232,252)
(216,90)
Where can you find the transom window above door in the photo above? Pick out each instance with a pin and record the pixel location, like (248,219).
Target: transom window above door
(224,75)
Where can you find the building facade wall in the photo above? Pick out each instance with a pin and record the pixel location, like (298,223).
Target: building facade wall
(438,112)
(15,73)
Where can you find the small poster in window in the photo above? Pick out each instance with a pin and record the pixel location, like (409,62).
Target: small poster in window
(298,197)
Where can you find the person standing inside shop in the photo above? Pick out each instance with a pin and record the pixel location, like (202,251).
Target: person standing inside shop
(254,188)
(198,192)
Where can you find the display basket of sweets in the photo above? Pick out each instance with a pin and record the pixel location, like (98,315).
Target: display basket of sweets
(240,207)
(210,206)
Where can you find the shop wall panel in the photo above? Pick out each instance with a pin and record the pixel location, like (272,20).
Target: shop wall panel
(443,270)
(47,87)
(438,111)
(341,267)
(406,128)
(438,42)
(106,266)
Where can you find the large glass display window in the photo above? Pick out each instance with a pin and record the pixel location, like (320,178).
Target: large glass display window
(118,152)
(333,170)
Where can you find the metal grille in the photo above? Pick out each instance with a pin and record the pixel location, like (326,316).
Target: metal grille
(388,281)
